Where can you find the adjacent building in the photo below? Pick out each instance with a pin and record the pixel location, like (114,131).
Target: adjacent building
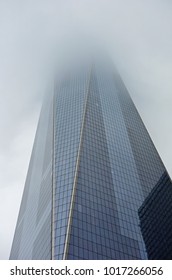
(156,220)
(93,165)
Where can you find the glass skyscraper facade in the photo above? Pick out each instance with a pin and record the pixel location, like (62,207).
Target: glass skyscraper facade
(93,165)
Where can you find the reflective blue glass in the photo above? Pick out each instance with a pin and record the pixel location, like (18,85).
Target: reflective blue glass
(92,176)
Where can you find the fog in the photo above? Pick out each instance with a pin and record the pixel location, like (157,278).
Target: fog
(38,36)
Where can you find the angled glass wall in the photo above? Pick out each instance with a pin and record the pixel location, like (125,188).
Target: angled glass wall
(32,239)
(92,167)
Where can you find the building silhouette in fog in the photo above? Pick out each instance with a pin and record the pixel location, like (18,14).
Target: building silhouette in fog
(93,166)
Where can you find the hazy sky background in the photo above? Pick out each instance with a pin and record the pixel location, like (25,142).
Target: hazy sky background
(35,33)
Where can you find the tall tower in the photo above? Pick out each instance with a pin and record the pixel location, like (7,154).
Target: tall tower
(93,165)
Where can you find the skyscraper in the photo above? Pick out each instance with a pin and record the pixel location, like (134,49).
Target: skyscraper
(92,166)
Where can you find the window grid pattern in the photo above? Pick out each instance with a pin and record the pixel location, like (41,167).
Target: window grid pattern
(148,163)
(35,211)
(119,184)
(69,108)
(128,190)
(156,220)
(95,230)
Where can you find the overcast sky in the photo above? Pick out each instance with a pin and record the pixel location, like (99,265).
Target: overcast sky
(34,34)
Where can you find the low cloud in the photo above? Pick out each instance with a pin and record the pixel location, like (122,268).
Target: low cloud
(34,36)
